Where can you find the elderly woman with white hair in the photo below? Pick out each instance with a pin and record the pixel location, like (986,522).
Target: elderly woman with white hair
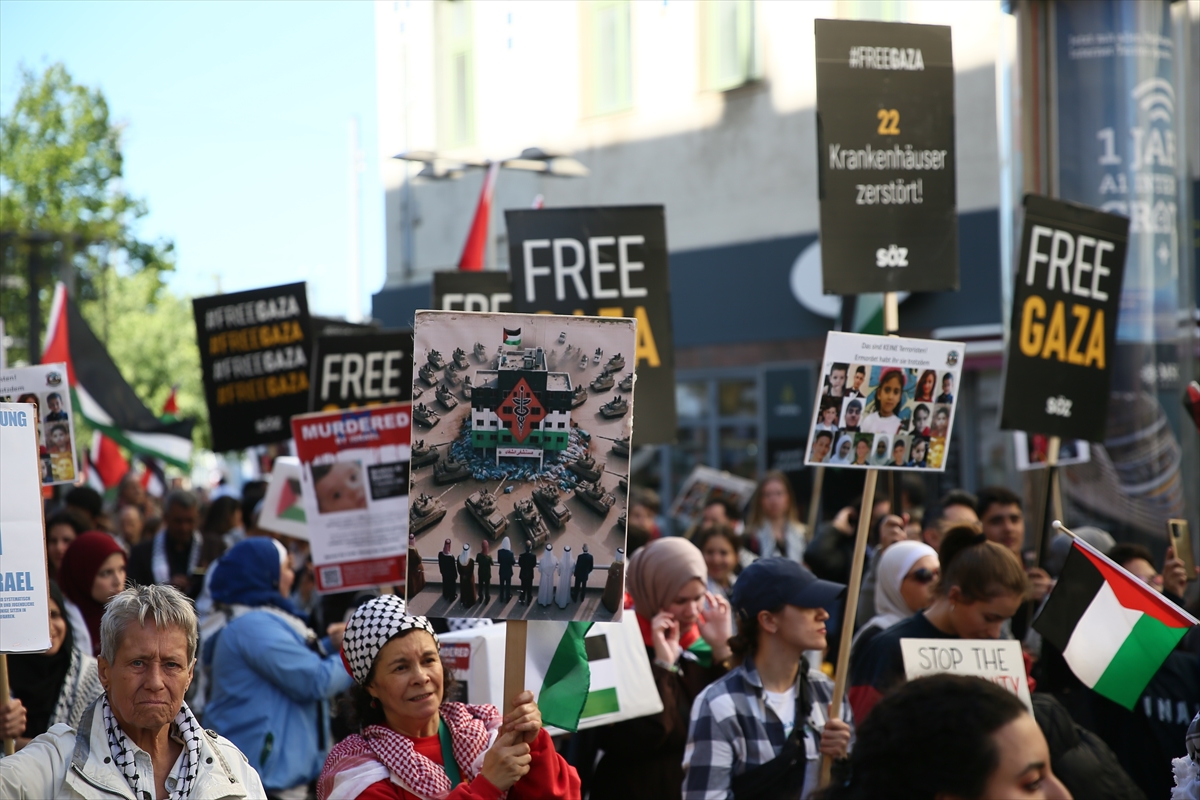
(139,740)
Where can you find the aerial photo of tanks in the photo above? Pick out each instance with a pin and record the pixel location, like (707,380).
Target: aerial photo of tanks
(521,430)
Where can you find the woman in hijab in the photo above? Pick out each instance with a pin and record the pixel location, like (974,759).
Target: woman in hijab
(845,450)
(272,676)
(92,571)
(686,631)
(905,575)
(57,685)
(414,744)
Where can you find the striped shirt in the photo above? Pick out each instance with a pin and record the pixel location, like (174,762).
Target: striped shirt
(733,730)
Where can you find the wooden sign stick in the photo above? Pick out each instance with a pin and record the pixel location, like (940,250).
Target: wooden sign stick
(515,633)
(10,745)
(1046,512)
(852,591)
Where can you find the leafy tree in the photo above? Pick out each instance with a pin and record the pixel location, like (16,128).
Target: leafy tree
(61,200)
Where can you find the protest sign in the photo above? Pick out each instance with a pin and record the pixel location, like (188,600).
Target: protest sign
(885,402)
(885,154)
(354,481)
(255,351)
(621,681)
(1066,298)
(1031,450)
(705,485)
(520,446)
(283,505)
(996,660)
(605,262)
(361,370)
(24,608)
(45,386)
(472,291)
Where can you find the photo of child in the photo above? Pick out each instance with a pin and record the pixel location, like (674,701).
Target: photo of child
(882,416)
(55,411)
(58,439)
(941,422)
(845,450)
(852,414)
(862,448)
(835,383)
(920,420)
(880,456)
(899,453)
(947,395)
(926,386)
(857,386)
(830,410)
(822,444)
(918,452)
(339,487)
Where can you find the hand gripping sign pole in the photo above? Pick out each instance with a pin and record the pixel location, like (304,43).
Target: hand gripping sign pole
(891,324)
(10,745)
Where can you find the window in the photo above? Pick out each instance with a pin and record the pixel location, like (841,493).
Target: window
(608,66)
(730,54)
(456,78)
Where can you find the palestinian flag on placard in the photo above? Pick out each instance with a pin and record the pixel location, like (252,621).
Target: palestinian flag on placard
(1113,629)
(556,659)
(291,502)
(101,396)
(512,337)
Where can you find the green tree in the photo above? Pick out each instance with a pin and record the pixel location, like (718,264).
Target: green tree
(63,210)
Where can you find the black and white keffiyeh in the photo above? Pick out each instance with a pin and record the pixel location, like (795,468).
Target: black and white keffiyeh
(184,725)
(161,567)
(373,624)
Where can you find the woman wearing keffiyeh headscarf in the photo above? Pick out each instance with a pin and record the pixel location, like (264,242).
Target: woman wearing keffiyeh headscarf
(415,746)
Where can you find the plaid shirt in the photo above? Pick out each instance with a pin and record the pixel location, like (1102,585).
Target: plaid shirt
(733,730)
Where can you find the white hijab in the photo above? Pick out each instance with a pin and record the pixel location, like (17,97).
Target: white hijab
(893,565)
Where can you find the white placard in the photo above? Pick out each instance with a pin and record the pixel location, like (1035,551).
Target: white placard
(24,607)
(1031,451)
(283,505)
(885,402)
(997,660)
(46,386)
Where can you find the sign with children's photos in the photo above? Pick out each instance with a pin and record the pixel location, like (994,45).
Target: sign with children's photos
(885,402)
(45,387)
(354,485)
(1032,451)
(519,456)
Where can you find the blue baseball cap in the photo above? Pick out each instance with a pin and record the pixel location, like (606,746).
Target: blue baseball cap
(769,583)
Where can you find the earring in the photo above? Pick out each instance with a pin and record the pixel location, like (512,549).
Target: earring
(374,702)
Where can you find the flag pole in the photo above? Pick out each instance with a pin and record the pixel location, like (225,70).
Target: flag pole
(1046,511)
(10,745)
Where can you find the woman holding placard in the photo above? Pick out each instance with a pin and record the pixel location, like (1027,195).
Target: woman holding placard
(982,584)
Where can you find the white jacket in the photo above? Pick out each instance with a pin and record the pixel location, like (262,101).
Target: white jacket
(69,765)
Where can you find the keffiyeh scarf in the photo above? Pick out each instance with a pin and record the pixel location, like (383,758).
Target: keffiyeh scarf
(123,751)
(159,564)
(372,625)
(381,754)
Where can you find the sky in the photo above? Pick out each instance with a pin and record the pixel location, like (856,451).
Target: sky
(236,130)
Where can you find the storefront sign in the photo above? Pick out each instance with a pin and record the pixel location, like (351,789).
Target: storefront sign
(366,370)
(885,129)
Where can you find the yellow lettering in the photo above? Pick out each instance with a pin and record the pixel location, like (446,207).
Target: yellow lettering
(1095,345)
(1056,334)
(1081,314)
(1032,332)
(611,311)
(647,350)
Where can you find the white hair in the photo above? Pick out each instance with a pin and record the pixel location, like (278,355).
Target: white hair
(169,607)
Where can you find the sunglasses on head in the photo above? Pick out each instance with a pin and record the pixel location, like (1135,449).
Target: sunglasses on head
(924,575)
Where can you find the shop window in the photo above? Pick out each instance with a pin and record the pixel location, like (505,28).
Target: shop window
(730,55)
(738,397)
(691,399)
(608,53)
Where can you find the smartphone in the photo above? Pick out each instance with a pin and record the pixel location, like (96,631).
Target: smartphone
(1177,529)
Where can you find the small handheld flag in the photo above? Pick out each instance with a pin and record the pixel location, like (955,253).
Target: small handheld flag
(1113,629)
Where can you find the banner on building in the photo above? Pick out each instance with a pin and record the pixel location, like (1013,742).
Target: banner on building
(255,351)
(472,291)
(885,402)
(885,139)
(45,387)
(604,262)
(361,370)
(24,607)
(1066,299)
(354,481)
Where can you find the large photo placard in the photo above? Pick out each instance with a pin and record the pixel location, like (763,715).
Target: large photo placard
(255,351)
(885,402)
(45,386)
(604,262)
(1066,299)
(885,129)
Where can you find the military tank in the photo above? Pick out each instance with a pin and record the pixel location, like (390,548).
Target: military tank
(460,359)
(450,470)
(626,384)
(552,507)
(423,456)
(446,397)
(435,360)
(452,377)
(428,374)
(467,388)
(425,416)
(426,512)
(615,363)
(585,467)
(579,397)
(480,352)
(615,408)
(482,506)
(621,446)
(583,361)
(604,381)
(599,355)
(535,527)
(594,497)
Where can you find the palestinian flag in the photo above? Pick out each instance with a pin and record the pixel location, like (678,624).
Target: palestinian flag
(101,396)
(556,659)
(105,456)
(512,337)
(1114,630)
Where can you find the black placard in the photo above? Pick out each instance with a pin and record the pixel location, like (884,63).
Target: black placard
(1062,339)
(472,291)
(361,370)
(255,351)
(604,261)
(885,150)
